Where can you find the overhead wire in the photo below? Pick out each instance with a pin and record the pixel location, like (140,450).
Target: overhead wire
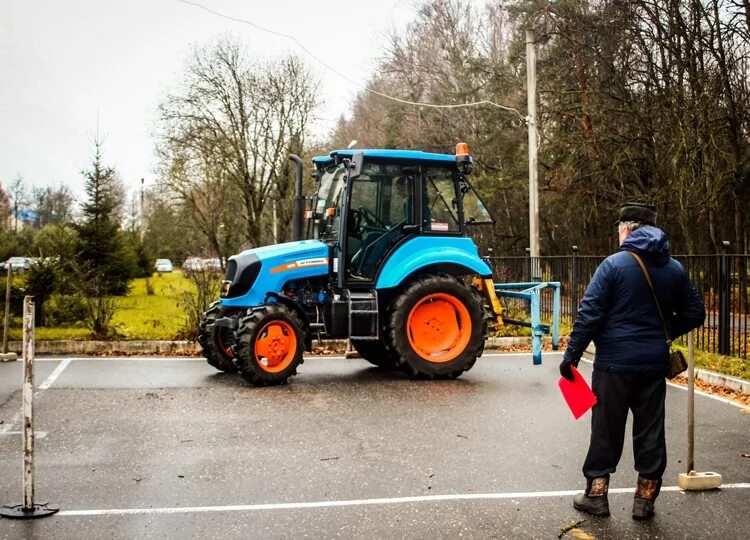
(346,78)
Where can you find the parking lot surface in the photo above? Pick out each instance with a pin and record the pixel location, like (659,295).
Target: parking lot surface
(170,448)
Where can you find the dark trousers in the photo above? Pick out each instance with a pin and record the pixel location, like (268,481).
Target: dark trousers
(616,393)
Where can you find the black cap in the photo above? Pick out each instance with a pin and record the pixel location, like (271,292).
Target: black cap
(642,213)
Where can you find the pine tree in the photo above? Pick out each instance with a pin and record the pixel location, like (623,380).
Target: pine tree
(103,257)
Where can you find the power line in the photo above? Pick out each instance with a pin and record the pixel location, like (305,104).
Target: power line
(340,74)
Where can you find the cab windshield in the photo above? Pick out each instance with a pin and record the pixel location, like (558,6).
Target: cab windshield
(329,196)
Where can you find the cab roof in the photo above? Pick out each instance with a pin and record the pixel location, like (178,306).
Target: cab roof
(412,155)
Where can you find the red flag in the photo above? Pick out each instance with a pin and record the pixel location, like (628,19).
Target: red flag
(577,393)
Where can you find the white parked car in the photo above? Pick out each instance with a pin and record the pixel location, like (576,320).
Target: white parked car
(193,264)
(212,265)
(163,265)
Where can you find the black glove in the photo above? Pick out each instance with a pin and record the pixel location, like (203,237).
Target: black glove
(565,367)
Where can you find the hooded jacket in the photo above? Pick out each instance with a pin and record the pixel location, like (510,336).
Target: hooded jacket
(619,314)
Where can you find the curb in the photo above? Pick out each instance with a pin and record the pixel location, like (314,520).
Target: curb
(139,347)
(147,347)
(719,379)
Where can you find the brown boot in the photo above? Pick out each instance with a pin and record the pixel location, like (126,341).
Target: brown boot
(646,492)
(594,500)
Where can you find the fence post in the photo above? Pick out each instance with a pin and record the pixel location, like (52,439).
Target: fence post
(724,307)
(527,270)
(29,509)
(574,283)
(488,260)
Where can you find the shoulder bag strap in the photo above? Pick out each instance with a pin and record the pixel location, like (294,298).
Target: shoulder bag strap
(653,292)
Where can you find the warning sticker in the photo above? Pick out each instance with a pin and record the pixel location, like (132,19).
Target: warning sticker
(438,226)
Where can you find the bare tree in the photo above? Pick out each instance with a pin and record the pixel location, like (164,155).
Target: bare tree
(226,131)
(644,99)
(53,205)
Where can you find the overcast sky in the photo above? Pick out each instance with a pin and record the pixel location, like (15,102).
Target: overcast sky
(65,63)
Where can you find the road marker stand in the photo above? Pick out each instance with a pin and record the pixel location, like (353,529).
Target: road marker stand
(29,509)
(694,481)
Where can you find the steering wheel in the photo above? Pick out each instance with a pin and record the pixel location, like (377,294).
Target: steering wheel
(371,218)
(383,243)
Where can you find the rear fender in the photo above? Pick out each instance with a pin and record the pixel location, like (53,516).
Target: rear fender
(456,255)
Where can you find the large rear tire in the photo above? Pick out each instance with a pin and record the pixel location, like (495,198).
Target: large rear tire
(270,341)
(437,327)
(216,342)
(375,352)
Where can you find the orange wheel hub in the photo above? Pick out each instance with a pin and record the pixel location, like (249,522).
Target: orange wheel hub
(439,327)
(275,346)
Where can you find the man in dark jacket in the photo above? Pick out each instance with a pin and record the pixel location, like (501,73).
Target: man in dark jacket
(619,314)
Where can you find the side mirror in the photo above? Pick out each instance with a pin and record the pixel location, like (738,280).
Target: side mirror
(355,166)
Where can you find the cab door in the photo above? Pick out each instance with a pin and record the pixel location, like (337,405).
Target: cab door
(381,212)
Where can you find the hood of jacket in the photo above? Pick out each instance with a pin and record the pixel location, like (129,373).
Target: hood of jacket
(649,242)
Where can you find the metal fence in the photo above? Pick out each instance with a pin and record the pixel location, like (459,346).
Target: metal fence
(723,280)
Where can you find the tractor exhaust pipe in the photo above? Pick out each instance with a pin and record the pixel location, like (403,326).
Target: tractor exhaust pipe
(299,199)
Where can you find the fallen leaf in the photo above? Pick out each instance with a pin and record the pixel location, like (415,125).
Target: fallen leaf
(582,535)
(569,526)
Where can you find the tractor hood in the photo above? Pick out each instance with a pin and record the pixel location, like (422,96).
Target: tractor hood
(254,273)
(289,251)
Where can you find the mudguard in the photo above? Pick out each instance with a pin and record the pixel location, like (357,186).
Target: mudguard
(424,251)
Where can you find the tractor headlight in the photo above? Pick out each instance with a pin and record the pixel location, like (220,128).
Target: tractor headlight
(225,288)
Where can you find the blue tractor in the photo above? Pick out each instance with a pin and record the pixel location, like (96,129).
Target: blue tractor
(386,263)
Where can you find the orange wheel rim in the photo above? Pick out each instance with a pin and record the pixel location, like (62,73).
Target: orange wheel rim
(275,346)
(439,327)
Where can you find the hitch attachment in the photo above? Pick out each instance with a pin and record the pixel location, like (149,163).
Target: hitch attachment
(531,292)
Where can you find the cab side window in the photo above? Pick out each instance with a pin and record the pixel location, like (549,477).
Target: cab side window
(440,204)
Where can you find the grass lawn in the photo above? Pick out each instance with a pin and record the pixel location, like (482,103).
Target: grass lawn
(728,365)
(139,315)
(160,315)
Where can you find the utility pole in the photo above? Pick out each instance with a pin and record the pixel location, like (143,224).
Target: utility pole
(533,179)
(142,220)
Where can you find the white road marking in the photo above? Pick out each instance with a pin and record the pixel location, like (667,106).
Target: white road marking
(120,358)
(55,374)
(355,502)
(5,428)
(37,434)
(706,394)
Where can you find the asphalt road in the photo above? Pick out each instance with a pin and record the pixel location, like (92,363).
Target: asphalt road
(169,448)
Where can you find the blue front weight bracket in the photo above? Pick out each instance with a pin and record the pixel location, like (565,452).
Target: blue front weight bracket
(531,292)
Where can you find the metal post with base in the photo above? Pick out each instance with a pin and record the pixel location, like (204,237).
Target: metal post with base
(29,509)
(694,481)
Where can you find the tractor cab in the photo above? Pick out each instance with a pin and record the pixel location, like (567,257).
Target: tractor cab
(370,202)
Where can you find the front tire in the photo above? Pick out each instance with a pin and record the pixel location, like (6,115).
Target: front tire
(216,342)
(437,327)
(270,342)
